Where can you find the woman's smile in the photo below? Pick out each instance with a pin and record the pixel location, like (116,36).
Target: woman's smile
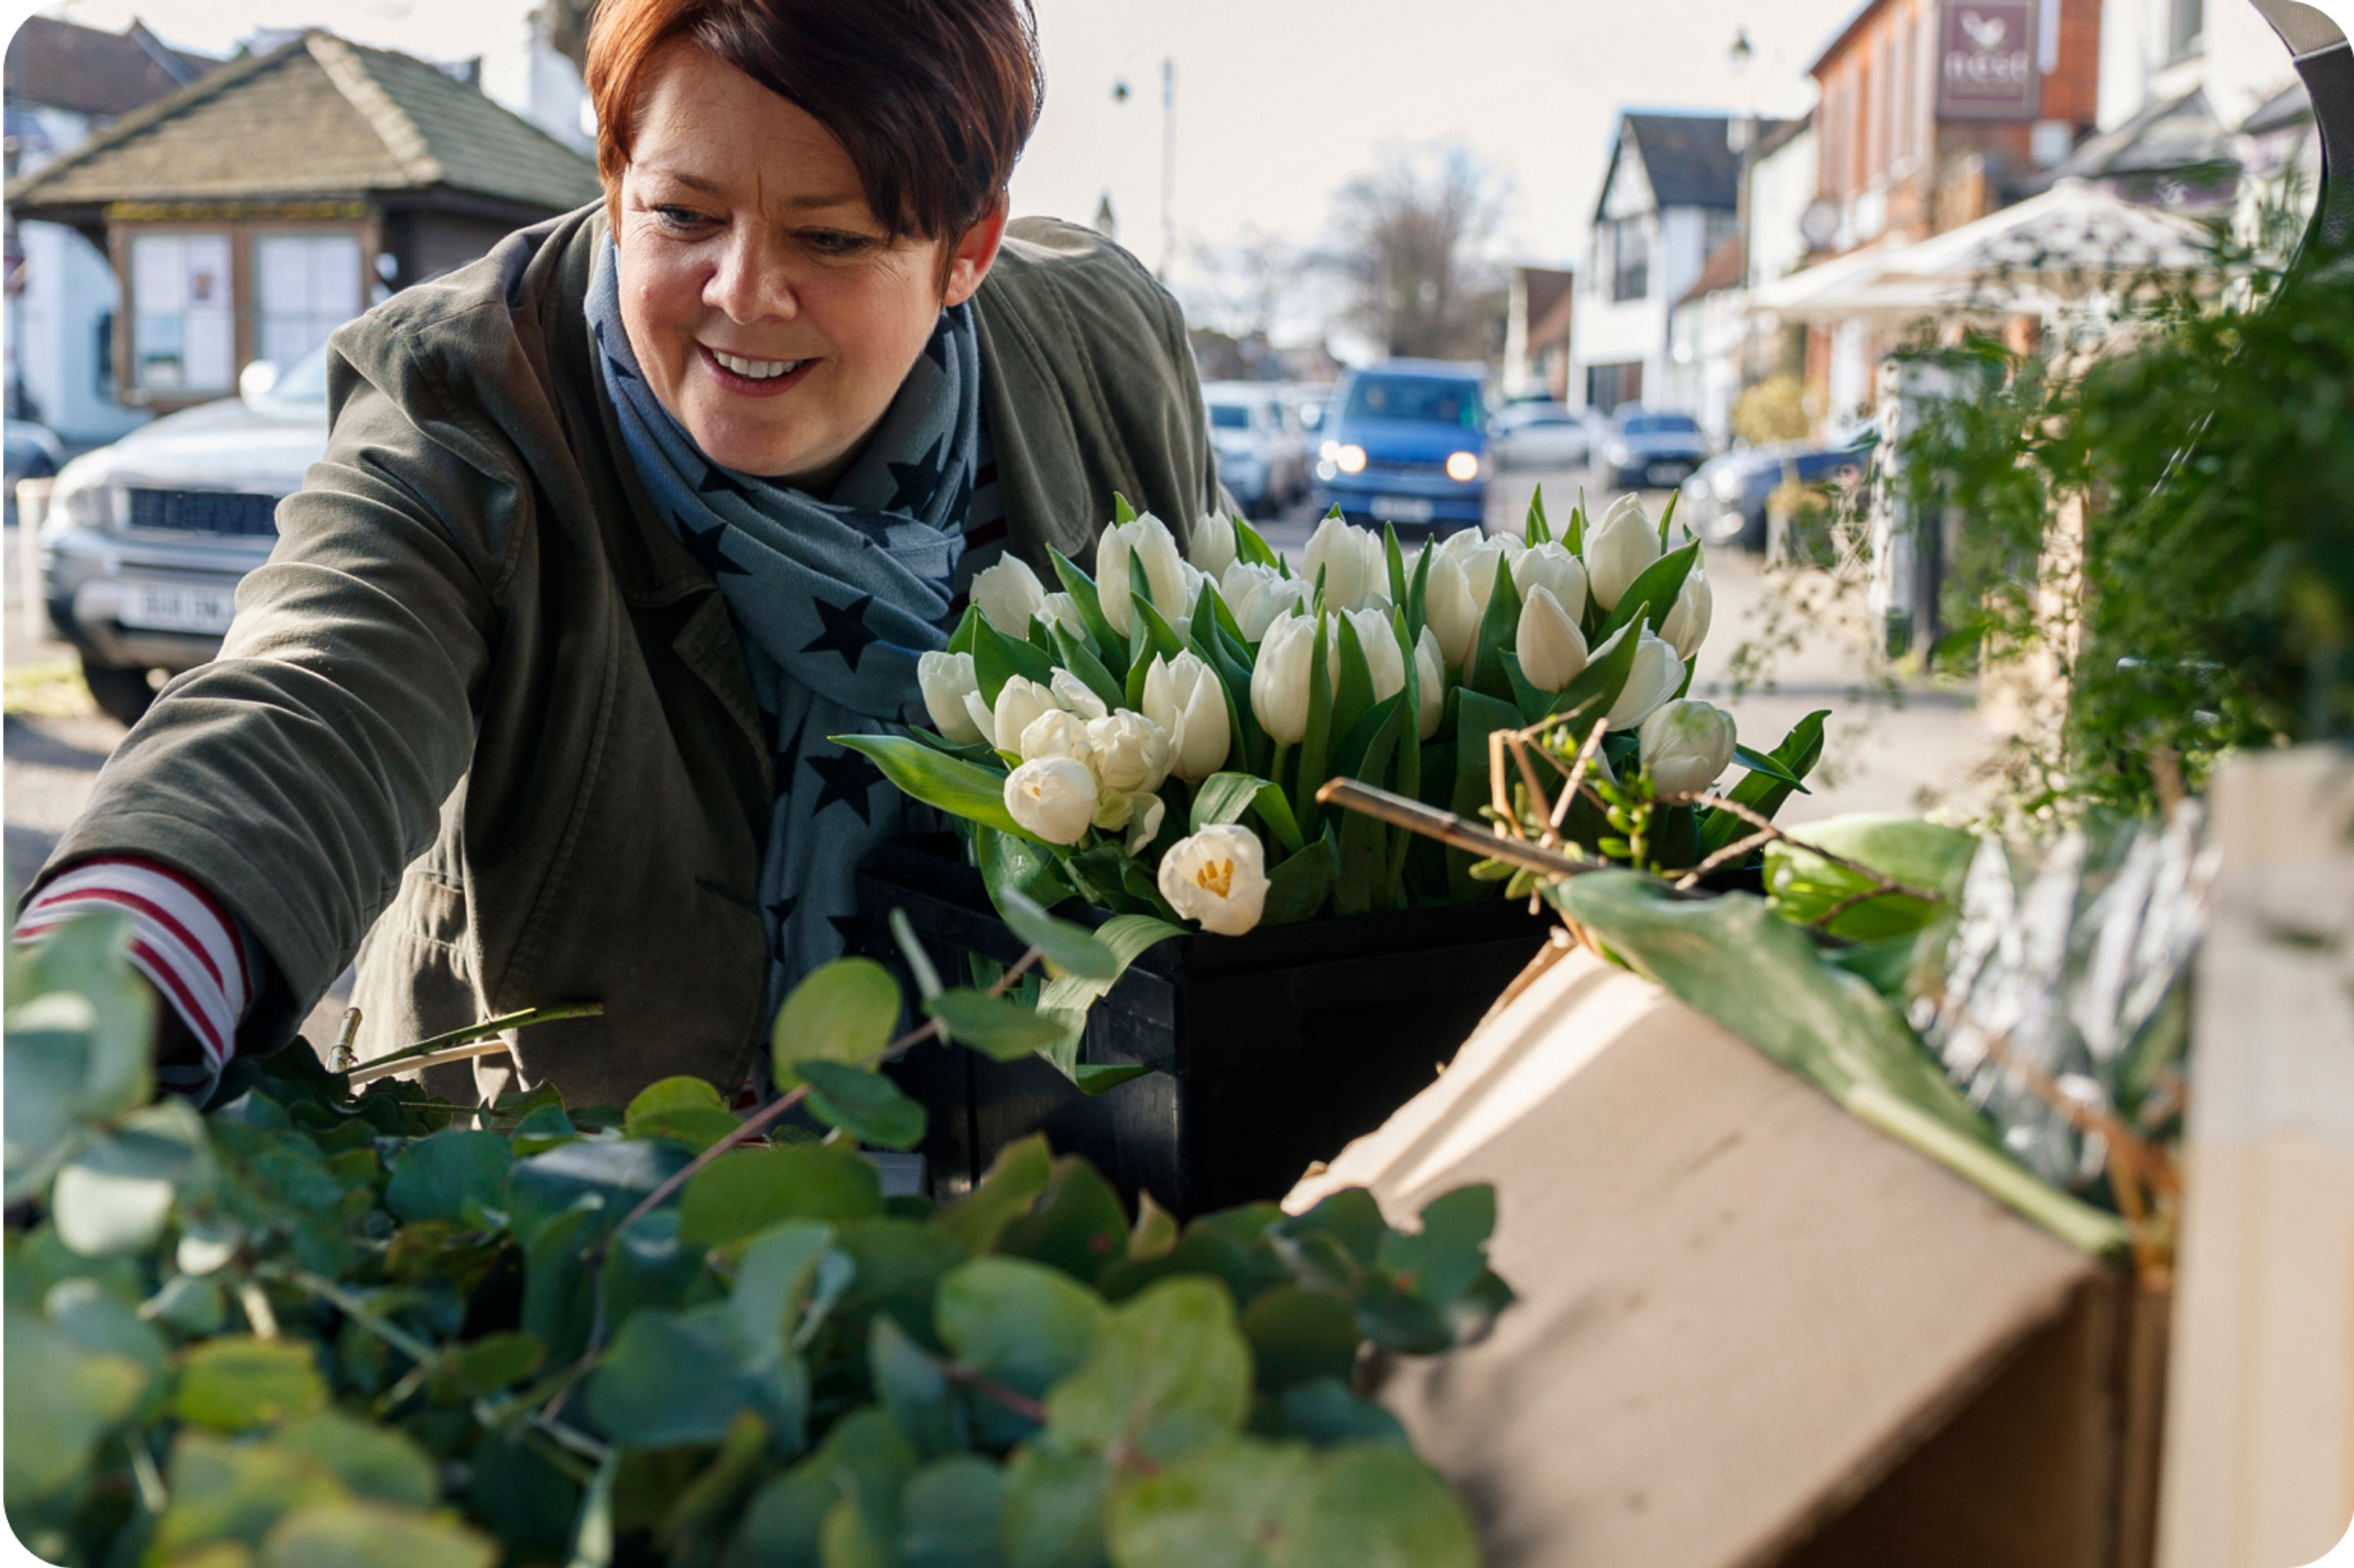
(748,377)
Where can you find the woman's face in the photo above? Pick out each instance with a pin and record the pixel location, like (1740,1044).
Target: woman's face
(771,312)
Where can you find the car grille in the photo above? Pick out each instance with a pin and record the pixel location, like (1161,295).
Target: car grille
(221,512)
(1405,471)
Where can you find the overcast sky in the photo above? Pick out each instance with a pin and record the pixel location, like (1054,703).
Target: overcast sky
(1279,101)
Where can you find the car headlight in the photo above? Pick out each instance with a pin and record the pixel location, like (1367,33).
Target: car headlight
(1618,451)
(1463,467)
(1329,451)
(76,504)
(1727,485)
(1350,459)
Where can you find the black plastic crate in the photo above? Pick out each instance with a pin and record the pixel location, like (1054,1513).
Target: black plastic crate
(1273,1050)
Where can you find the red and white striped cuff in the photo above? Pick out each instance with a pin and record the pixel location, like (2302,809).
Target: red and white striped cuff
(182,939)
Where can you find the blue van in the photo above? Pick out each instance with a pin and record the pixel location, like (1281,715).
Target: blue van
(1408,444)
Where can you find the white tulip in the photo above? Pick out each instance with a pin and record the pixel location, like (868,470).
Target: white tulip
(1170,580)
(1075,695)
(1656,674)
(1057,734)
(1479,564)
(1144,817)
(1112,552)
(1686,626)
(946,680)
(1020,702)
(1053,798)
(1551,566)
(1185,698)
(1256,595)
(1214,544)
(1008,594)
(1684,747)
(1448,609)
(1131,753)
(1278,688)
(1430,676)
(1551,649)
(1384,657)
(1337,550)
(1218,876)
(1618,549)
(1060,609)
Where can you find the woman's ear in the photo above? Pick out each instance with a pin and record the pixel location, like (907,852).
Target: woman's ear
(975,252)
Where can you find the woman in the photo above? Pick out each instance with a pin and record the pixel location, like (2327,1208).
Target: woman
(614,527)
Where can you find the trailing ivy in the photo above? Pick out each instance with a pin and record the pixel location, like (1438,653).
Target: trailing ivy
(315,1328)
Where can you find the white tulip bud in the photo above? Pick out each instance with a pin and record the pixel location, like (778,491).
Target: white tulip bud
(1060,609)
(946,680)
(1131,753)
(1430,676)
(1618,549)
(1075,695)
(1384,658)
(1053,798)
(1218,876)
(1185,698)
(1448,609)
(1479,564)
(1020,702)
(1337,549)
(1684,747)
(1214,544)
(1111,576)
(1256,595)
(1057,734)
(1686,626)
(1008,594)
(1278,688)
(1656,674)
(1551,566)
(1551,649)
(1165,572)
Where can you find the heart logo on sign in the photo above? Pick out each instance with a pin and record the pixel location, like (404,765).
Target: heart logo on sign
(1986,33)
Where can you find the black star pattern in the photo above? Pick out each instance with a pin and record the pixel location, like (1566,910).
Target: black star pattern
(783,910)
(704,544)
(789,749)
(917,481)
(850,929)
(620,369)
(845,630)
(718,480)
(846,776)
(963,504)
(936,350)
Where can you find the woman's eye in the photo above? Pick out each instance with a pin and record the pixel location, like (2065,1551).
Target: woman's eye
(680,217)
(833,242)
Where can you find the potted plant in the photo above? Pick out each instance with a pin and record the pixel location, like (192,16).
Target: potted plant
(1147,743)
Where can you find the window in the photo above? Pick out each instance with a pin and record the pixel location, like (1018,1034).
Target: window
(182,327)
(1608,385)
(2186,28)
(309,286)
(1424,400)
(1229,417)
(1629,259)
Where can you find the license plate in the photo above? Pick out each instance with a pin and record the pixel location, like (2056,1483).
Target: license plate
(1401,509)
(1667,472)
(157,608)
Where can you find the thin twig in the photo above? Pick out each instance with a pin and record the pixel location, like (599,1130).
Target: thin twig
(412,1057)
(1585,755)
(1884,889)
(1731,851)
(1520,750)
(1764,825)
(988,1388)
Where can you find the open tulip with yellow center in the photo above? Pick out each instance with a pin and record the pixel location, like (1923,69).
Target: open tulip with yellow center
(1218,876)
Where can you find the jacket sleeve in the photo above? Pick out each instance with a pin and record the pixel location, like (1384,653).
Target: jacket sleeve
(299,772)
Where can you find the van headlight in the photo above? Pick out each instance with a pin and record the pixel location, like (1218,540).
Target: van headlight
(1350,459)
(1463,467)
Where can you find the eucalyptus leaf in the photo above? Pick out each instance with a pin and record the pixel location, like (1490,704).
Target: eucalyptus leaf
(1072,948)
(846,1011)
(994,1025)
(863,1104)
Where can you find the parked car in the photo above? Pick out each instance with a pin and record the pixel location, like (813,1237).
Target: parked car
(1539,435)
(1408,445)
(1645,450)
(33,453)
(1724,501)
(1262,456)
(145,540)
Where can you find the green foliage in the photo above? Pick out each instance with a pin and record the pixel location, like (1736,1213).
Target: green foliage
(2205,454)
(363,1333)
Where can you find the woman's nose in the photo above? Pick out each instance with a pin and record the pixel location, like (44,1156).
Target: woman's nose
(752,283)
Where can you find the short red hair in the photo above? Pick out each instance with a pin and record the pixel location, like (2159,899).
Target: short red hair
(933,99)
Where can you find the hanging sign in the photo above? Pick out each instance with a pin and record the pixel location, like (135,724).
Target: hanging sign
(1986,62)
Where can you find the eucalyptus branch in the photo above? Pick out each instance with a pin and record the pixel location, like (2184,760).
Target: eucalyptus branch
(988,1388)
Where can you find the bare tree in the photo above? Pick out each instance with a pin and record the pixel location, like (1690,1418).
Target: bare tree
(1410,240)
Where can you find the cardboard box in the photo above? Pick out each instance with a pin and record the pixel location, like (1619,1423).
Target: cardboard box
(1752,1330)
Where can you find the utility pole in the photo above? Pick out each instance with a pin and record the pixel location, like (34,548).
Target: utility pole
(1168,164)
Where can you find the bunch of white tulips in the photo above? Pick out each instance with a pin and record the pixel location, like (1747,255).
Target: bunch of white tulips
(1187,680)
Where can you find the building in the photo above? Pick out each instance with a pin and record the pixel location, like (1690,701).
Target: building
(1538,307)
(66,83)
(252,212)
(1670,196)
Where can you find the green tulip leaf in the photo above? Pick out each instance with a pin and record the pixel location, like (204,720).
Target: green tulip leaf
(1763,793)
(961,788)
(1097,1077)
(1500,627)
(997,659)
(1652,593)
(1770,765)
(1076,582)
(1072,948)
(1298,888)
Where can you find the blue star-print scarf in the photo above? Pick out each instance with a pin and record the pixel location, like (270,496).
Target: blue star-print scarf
(833,601)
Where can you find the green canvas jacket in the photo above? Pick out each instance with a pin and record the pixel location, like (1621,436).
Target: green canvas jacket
(484,709)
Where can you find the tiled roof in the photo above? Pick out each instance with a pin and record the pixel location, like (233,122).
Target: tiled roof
(63,65)
(317,116)
(2172,133)
(2291,106)
(1688,158)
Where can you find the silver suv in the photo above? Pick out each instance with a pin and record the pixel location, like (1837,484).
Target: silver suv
(145,540)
